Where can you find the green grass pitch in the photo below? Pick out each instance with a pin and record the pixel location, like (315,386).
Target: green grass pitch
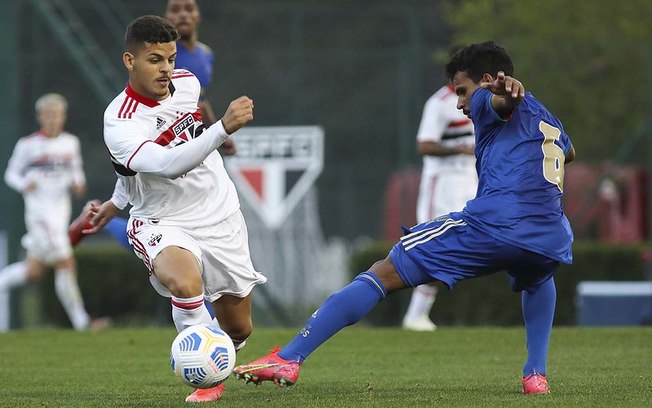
(359,367)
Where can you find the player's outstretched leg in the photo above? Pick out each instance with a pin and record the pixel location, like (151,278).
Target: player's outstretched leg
(538,312)
(417,316)
(341,309)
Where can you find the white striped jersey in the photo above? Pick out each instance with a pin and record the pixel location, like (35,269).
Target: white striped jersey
(202,196)
(54,164)
(442,122)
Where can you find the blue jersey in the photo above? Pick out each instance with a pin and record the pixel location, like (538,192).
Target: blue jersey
(199,62)
(520,164)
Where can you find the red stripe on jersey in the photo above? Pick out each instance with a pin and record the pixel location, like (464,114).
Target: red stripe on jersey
(134,153)
(189,305)
(180,71)
(133,110)
(458,123)
(123,106)
(168,135)
(182,76)
(124,113)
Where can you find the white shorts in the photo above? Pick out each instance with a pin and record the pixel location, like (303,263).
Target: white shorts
(445,192)
(47,240)
(222,251)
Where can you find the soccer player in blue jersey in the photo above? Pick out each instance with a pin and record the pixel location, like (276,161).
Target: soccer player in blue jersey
(515,224)
(197,58)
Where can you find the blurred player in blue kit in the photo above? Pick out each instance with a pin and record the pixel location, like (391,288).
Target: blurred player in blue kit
(515,224)
(197,58)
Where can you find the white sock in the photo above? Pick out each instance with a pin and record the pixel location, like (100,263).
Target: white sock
(423,297)
(189,312)
(67,289)
(13,275)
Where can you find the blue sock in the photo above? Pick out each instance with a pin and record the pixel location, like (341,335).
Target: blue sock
(117,228)
(341,309)
(538,312)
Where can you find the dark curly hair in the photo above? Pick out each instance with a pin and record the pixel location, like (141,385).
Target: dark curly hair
(149,29)
(477,59)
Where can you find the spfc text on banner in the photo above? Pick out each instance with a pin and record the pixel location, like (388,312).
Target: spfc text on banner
(275,167)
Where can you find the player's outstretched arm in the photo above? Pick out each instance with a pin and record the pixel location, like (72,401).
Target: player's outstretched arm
(172,163)
(508,93)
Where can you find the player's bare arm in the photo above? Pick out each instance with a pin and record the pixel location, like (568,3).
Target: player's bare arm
(239,113)
(508,92)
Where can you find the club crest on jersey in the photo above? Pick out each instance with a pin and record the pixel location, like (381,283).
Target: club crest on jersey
(275,167)
(154,239)
(185,123)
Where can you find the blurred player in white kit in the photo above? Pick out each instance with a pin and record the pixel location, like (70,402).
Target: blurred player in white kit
(448,180)
(45,167)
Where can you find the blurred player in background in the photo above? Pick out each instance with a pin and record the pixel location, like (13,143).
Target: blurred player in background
(185,224)
(515,223)
(448,180)
(44,167)
(197,58)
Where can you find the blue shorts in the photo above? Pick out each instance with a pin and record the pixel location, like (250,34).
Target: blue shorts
(449,250)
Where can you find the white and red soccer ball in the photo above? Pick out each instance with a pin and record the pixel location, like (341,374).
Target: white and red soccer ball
(203,356)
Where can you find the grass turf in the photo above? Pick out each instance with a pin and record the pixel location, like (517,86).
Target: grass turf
(360,367)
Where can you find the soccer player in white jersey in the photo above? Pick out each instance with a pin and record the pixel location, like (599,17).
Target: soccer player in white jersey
(448,180)
(44,167)
(185,221)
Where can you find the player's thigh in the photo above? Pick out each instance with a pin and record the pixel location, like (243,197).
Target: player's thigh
(446,250)
(528,270)
(178,270)
(171,255)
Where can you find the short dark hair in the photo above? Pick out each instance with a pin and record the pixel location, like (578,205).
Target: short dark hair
(149,29)
(477,59)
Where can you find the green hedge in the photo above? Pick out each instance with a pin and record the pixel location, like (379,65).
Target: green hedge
(490,301)
(114,283)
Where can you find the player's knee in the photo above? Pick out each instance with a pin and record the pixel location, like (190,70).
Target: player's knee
(184,288)
(387,274)
(239,330)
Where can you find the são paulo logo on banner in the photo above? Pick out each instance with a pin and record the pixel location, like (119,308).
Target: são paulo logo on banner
(275,167)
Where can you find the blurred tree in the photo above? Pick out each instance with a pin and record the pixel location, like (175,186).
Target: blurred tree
(587,61)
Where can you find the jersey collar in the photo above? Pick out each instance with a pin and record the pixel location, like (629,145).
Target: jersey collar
(140,98)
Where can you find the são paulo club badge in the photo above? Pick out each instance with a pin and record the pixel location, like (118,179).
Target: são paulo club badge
(274,167)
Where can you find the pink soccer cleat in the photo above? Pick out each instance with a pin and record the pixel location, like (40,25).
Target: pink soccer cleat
(269,368)
(81,223)
(206,394)
(535,384)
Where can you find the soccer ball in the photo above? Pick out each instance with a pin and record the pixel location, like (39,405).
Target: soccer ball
(203,356)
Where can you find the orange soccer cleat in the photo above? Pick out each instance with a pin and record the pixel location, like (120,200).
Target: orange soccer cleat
(269,368)
(206,394)
(535,383)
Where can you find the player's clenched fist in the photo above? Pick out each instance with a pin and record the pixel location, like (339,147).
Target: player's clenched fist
(239,113)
